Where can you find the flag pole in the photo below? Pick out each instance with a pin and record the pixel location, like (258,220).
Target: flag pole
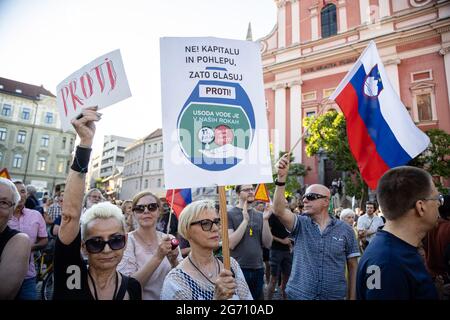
(171,210)
(322,107)
(224,224)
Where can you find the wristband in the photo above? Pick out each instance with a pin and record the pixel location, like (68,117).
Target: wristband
(81,159)
(281,184)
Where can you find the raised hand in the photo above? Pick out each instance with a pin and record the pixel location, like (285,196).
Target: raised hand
(84,125)
(283,167)
(245,211)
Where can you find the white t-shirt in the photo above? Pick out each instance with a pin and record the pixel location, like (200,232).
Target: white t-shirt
(371,224)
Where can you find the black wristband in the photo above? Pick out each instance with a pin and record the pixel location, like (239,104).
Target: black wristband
(281,184)
(81,159)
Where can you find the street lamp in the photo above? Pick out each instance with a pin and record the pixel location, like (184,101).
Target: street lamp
(31,138)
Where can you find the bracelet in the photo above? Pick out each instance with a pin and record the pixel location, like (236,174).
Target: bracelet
(281,184)
(81,159)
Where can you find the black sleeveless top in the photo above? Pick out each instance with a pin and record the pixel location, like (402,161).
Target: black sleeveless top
(5,236)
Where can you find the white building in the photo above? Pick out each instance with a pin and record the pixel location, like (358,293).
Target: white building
(143,167)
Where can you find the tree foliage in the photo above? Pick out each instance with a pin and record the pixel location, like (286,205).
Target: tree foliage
(436,158)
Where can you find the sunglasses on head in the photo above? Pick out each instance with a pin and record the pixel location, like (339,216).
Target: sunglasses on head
(207,224)
(313,196)
(140,208)
(96,245)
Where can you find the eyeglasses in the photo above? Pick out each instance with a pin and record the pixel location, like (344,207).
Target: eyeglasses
(6,204)
(96,245)
(207,224)
(313,196)
(141,207)
(248,189)
(439,198)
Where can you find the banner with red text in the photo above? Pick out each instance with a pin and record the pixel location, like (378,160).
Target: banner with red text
(101,83)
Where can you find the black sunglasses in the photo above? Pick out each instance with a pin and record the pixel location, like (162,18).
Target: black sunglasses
(313,196)
(207,224)
(96,245)
(141,207)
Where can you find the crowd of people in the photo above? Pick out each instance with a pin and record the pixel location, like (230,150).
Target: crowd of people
(399,249)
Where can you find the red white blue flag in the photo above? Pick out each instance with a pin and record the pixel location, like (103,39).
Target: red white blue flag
(181,199)
(380,131)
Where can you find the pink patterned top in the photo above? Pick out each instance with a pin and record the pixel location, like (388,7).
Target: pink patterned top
(135,257)
(32,223)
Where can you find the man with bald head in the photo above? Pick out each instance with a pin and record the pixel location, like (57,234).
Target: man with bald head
(323,245)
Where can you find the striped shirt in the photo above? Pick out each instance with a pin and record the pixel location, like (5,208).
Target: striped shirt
(318,268)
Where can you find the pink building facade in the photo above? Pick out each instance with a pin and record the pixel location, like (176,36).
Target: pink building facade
(316,42)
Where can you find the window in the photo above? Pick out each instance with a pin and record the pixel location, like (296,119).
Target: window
(26,114)
(160,163)
(6,111)
(2,134)
(21,136)
(155,148)
(328,92)
(42,163)
(1,156)
(146,184)
(60,168)
(328,21)
(44,141)
(309,96)
(424,107)
(49,118)
(161,147)
(147,166)
(310,113)
(67,166)
(17,161)
(71,143)
(63,145)
(159,183)
(120,159)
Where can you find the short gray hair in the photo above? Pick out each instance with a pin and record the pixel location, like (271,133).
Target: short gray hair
(15,194)
(103,210)
(347,212)
(190,213)
(31,189)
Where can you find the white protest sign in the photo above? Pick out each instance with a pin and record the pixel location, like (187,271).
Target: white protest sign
(215,128)
(101,83)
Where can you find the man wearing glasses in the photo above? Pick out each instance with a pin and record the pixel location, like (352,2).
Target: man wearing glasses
(249,232)
(391,267)
(323,245)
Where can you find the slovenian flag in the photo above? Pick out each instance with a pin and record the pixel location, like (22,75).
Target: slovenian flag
(380,131)
(181,199)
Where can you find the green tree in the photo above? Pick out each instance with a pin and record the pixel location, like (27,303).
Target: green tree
(436,158)
(327,134)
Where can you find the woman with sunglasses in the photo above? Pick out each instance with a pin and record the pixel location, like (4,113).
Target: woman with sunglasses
(149,255)
(201,275)
(101,237)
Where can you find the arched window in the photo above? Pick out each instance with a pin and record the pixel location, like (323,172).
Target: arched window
(328,21)
(17,161)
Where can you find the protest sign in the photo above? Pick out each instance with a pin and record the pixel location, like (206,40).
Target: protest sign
(214,118)
(101,83)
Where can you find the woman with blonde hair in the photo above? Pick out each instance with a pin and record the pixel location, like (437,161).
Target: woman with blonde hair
(149,255)
(101,235)
(201,275)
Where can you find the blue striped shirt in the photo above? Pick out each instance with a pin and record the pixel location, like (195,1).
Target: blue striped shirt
(318,268)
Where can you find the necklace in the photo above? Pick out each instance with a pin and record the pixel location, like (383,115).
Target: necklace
(95,289)
(204,276)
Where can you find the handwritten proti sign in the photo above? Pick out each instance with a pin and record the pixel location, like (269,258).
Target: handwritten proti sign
(101,83)
(214,117)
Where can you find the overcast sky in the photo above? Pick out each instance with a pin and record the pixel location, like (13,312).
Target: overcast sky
(44,41)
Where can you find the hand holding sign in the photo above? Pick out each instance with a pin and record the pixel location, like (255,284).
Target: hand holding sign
(102,82)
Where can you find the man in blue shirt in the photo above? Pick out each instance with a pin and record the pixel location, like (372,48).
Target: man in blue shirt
(391,267)
(323,246)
